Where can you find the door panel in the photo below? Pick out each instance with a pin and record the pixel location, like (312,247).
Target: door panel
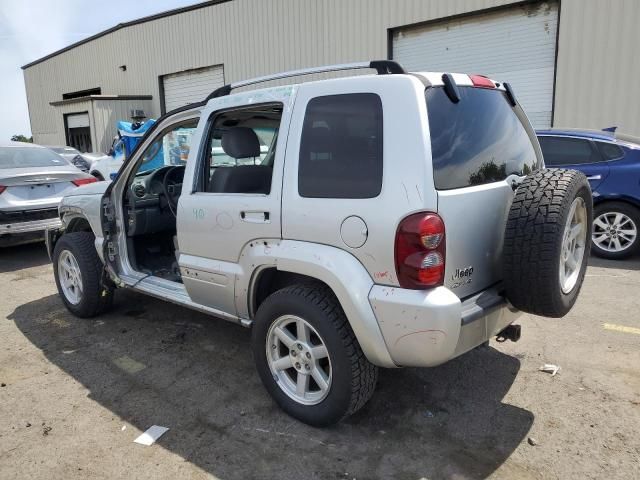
(225,210)
(596,172)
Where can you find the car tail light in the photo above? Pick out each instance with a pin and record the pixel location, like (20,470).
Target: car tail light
(84,181)
(2,188)
(420,251)
(481,81)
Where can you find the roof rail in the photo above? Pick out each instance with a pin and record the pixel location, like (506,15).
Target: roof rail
(383,67)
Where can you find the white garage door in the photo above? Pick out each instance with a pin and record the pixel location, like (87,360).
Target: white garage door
(191,86)
(515,45)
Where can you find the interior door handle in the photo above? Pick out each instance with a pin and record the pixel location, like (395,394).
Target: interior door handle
(253,216)
(594,177)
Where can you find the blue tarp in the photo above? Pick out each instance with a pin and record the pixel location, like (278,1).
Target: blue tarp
(130,137)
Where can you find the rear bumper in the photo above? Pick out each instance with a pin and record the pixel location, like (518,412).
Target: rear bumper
(17,228)
(424,329)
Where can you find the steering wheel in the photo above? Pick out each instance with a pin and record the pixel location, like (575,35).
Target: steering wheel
(172,186)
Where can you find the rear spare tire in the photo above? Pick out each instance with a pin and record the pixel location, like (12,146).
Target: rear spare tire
(546,242)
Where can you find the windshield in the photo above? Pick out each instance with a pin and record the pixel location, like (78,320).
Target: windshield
(478,140)
(29,157)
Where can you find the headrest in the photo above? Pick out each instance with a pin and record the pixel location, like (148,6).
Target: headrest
(318,140)
(241,142)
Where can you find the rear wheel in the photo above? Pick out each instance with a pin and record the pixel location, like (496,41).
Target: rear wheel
(615,230)
(546,242)
(308,357)
(78,274)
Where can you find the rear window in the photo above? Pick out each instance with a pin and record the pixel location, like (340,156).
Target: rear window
(558,151)
(341,147)
(25,157)
(478,140)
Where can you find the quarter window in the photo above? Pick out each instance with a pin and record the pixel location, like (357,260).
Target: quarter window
(558,151)
(610,151)
(341,147)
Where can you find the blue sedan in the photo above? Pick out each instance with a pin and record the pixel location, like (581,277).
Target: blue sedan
(611,162)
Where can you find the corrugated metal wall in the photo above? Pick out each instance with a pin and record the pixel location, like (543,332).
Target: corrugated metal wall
(598,67)
(256,37)
(105,115)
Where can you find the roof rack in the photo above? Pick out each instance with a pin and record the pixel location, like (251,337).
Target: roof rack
(383,67)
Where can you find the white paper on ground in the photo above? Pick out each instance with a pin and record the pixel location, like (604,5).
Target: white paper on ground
(550,368)
(152,434)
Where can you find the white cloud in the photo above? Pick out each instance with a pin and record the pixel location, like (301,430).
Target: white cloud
(31,29)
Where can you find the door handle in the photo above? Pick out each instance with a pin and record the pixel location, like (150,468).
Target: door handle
(253,216)
(594,177)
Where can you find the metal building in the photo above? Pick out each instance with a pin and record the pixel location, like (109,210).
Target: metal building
(571,62)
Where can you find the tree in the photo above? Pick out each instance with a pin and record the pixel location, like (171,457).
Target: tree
(21,138)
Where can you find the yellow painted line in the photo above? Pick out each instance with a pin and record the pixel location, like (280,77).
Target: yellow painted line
(621,328)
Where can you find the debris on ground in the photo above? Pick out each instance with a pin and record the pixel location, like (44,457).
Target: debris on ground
(429,414)
(152,434)
(28,425)
(532,441)
(550,368)
(124,427)
(3,384)
(45,429)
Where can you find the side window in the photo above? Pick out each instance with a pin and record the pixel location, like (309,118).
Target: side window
(559,151)
(240,150)
(610,151)
(171,147)
(341,147)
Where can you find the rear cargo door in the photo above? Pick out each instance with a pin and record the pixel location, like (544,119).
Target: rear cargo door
(479,146)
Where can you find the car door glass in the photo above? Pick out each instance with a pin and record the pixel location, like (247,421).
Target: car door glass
(558,151)
(240,151)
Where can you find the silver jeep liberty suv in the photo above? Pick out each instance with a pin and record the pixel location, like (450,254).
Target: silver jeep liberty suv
(385,220)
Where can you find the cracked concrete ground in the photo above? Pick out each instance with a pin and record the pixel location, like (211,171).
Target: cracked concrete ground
(71,385)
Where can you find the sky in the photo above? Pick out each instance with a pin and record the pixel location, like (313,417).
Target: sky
(31,29)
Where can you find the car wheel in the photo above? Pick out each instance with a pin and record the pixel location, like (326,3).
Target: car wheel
(615,230)
(78,274)
(546,242)
(307,356)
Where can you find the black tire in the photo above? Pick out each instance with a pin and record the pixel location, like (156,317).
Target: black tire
(629,211)
(96,297)
(354,378)
(534,237)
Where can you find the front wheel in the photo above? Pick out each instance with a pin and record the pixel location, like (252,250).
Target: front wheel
(307,356)
(78,274)
(615,230)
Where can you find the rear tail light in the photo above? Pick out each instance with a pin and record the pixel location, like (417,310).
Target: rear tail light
(2,188)
(481,81)
(84,181)
(420,251)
